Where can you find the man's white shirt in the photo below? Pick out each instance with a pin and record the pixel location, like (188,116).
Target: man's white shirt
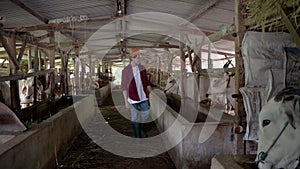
(139,86)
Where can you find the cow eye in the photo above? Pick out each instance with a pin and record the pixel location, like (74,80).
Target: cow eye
(266,122)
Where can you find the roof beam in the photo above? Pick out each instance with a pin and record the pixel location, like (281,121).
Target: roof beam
(30,39)
(138,46)
(10,48)
(51,26)
(32,12)
(22,50)
(228,30)
(203,9)
(24,75)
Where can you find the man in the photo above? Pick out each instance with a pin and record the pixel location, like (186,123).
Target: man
(135,85)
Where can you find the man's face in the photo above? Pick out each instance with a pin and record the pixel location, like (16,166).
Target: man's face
(135,59)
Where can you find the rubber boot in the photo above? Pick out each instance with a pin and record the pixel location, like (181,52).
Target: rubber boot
(143,131)
(137,129)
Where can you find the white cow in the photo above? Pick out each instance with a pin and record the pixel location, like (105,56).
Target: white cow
(5,93)
(172,85)
(218,88)
(174,82)
(27,91)
(9,122)
(279,131)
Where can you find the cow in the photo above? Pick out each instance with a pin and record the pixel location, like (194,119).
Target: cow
(211,90)
(9,122)
(279,131)
(5,93)
(27,91)
(171,86)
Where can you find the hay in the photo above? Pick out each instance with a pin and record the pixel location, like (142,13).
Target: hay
(264,14)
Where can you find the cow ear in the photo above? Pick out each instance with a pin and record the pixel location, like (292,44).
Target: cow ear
(296,105)
(291,118)
(292,114)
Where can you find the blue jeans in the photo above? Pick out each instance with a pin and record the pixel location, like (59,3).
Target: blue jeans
(139,116)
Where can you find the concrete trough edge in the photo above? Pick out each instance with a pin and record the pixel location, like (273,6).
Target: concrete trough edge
(188,153)
(40,147)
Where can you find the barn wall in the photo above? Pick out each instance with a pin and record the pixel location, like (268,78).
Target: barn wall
(189,153)
(39,147)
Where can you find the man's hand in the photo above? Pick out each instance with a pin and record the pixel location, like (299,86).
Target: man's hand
(127,105)
(149,89)
(126,99)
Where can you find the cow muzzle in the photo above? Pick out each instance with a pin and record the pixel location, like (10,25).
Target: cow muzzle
(263,155)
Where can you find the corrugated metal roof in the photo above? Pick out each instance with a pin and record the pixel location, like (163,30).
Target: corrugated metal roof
(222,13)
(175,7)
(15,16)
(208,15)
(60,8)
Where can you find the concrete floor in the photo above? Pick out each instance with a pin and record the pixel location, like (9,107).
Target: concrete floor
(84,153)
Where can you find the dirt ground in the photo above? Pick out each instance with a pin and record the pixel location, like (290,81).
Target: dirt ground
(85,154)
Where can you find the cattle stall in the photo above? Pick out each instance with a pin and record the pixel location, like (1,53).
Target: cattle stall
(189,151)
(51,138)
(213,65)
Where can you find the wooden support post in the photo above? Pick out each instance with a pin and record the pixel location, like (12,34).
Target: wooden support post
(22,50)
(13,69)
(196,79)
(52,66)
(240,76)
(110,69)
(76,75)
(29,58)
(76,67)
(92,68)
(98,68)
(40,60)
(10,48)
(45,61)
(46,55)
(158,70)
(182,73)
(67,73)
(209,60)
(170,66)
(36,65)
(82,76)
(197,64)
(63,74)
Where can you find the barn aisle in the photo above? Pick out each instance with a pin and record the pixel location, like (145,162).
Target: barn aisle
(84,153)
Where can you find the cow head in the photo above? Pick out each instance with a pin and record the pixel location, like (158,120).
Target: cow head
(27,91)
(284,151)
